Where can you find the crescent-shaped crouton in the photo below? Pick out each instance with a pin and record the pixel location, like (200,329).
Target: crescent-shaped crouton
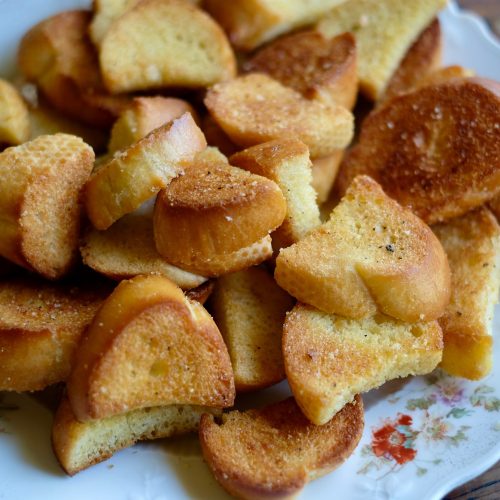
(149,345)
(329,358)
(371,255)
(164,43)
(40,212)
(273,452)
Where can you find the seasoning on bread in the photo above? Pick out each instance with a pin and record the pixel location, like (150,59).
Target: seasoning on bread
(329,358)
(372,255)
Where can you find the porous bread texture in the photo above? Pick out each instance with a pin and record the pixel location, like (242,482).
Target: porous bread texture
(324,173)
(136,174)
(14,120)
(286,162)
(40,185)
(435,150)
(79,445)
(164,43)
(149,345)
(274,451)
(389,25)
(215,216)
(372,255)
(57,55)
(255,108)
(142,116)
(472,243)
(40,326)
(314,66)
(422,59)
(443,75)
(127,249)
(250,23)
(329,358)
(249,309)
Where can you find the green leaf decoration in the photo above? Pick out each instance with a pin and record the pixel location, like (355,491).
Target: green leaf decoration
(459,413)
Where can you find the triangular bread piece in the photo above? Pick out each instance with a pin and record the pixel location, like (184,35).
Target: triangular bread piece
(215,210)
(149,346)
(249,309)
(14,120)
(274,451)
(251,23)
(384,31)
(472,243)
(329,359)
(371,255)
(40,326)
(435,150)
(316,67)
(127,249)
(136,174)
(286,162)
(164,43)
(40,211)
(78,445)
(422,58)
(255,108)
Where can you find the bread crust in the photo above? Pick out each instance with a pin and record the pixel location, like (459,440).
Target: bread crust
(40,211)
(435,150)
(136,174)
(148,346)
(273,452)
(314,66)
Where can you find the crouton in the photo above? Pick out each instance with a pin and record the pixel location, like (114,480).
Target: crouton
(324,173)
(14,121)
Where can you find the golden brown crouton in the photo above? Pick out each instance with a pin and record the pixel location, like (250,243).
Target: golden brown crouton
(249,309)
(436,150)
(273,452)
(472,243)
(40,212)
(164,43)
(14,121)
(384,30)
(372,255)
(149,345)
(256,108)
(329,359)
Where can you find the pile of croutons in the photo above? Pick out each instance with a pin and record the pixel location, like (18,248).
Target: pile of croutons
(232,233)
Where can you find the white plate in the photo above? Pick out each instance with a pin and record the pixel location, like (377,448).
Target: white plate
(449,428)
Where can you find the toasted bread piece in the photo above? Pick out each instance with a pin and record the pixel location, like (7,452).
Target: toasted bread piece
(494,206)
(40,326)
(201,293)
(390,26)
(144,115)
(422,58)
(46,120)
(443,75)
(139,172)
(317,67)
(286,162)
(371,255)
(127,249)
(249,23)
(274,451)
(215,210)
(216,137)
(329,359)
(57,55)
(149,346)
(78,445)
(14,121)
(249,309)
(40,185)
(436,150)
(256,108)
(324,173)
(164,43)
(472,243)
